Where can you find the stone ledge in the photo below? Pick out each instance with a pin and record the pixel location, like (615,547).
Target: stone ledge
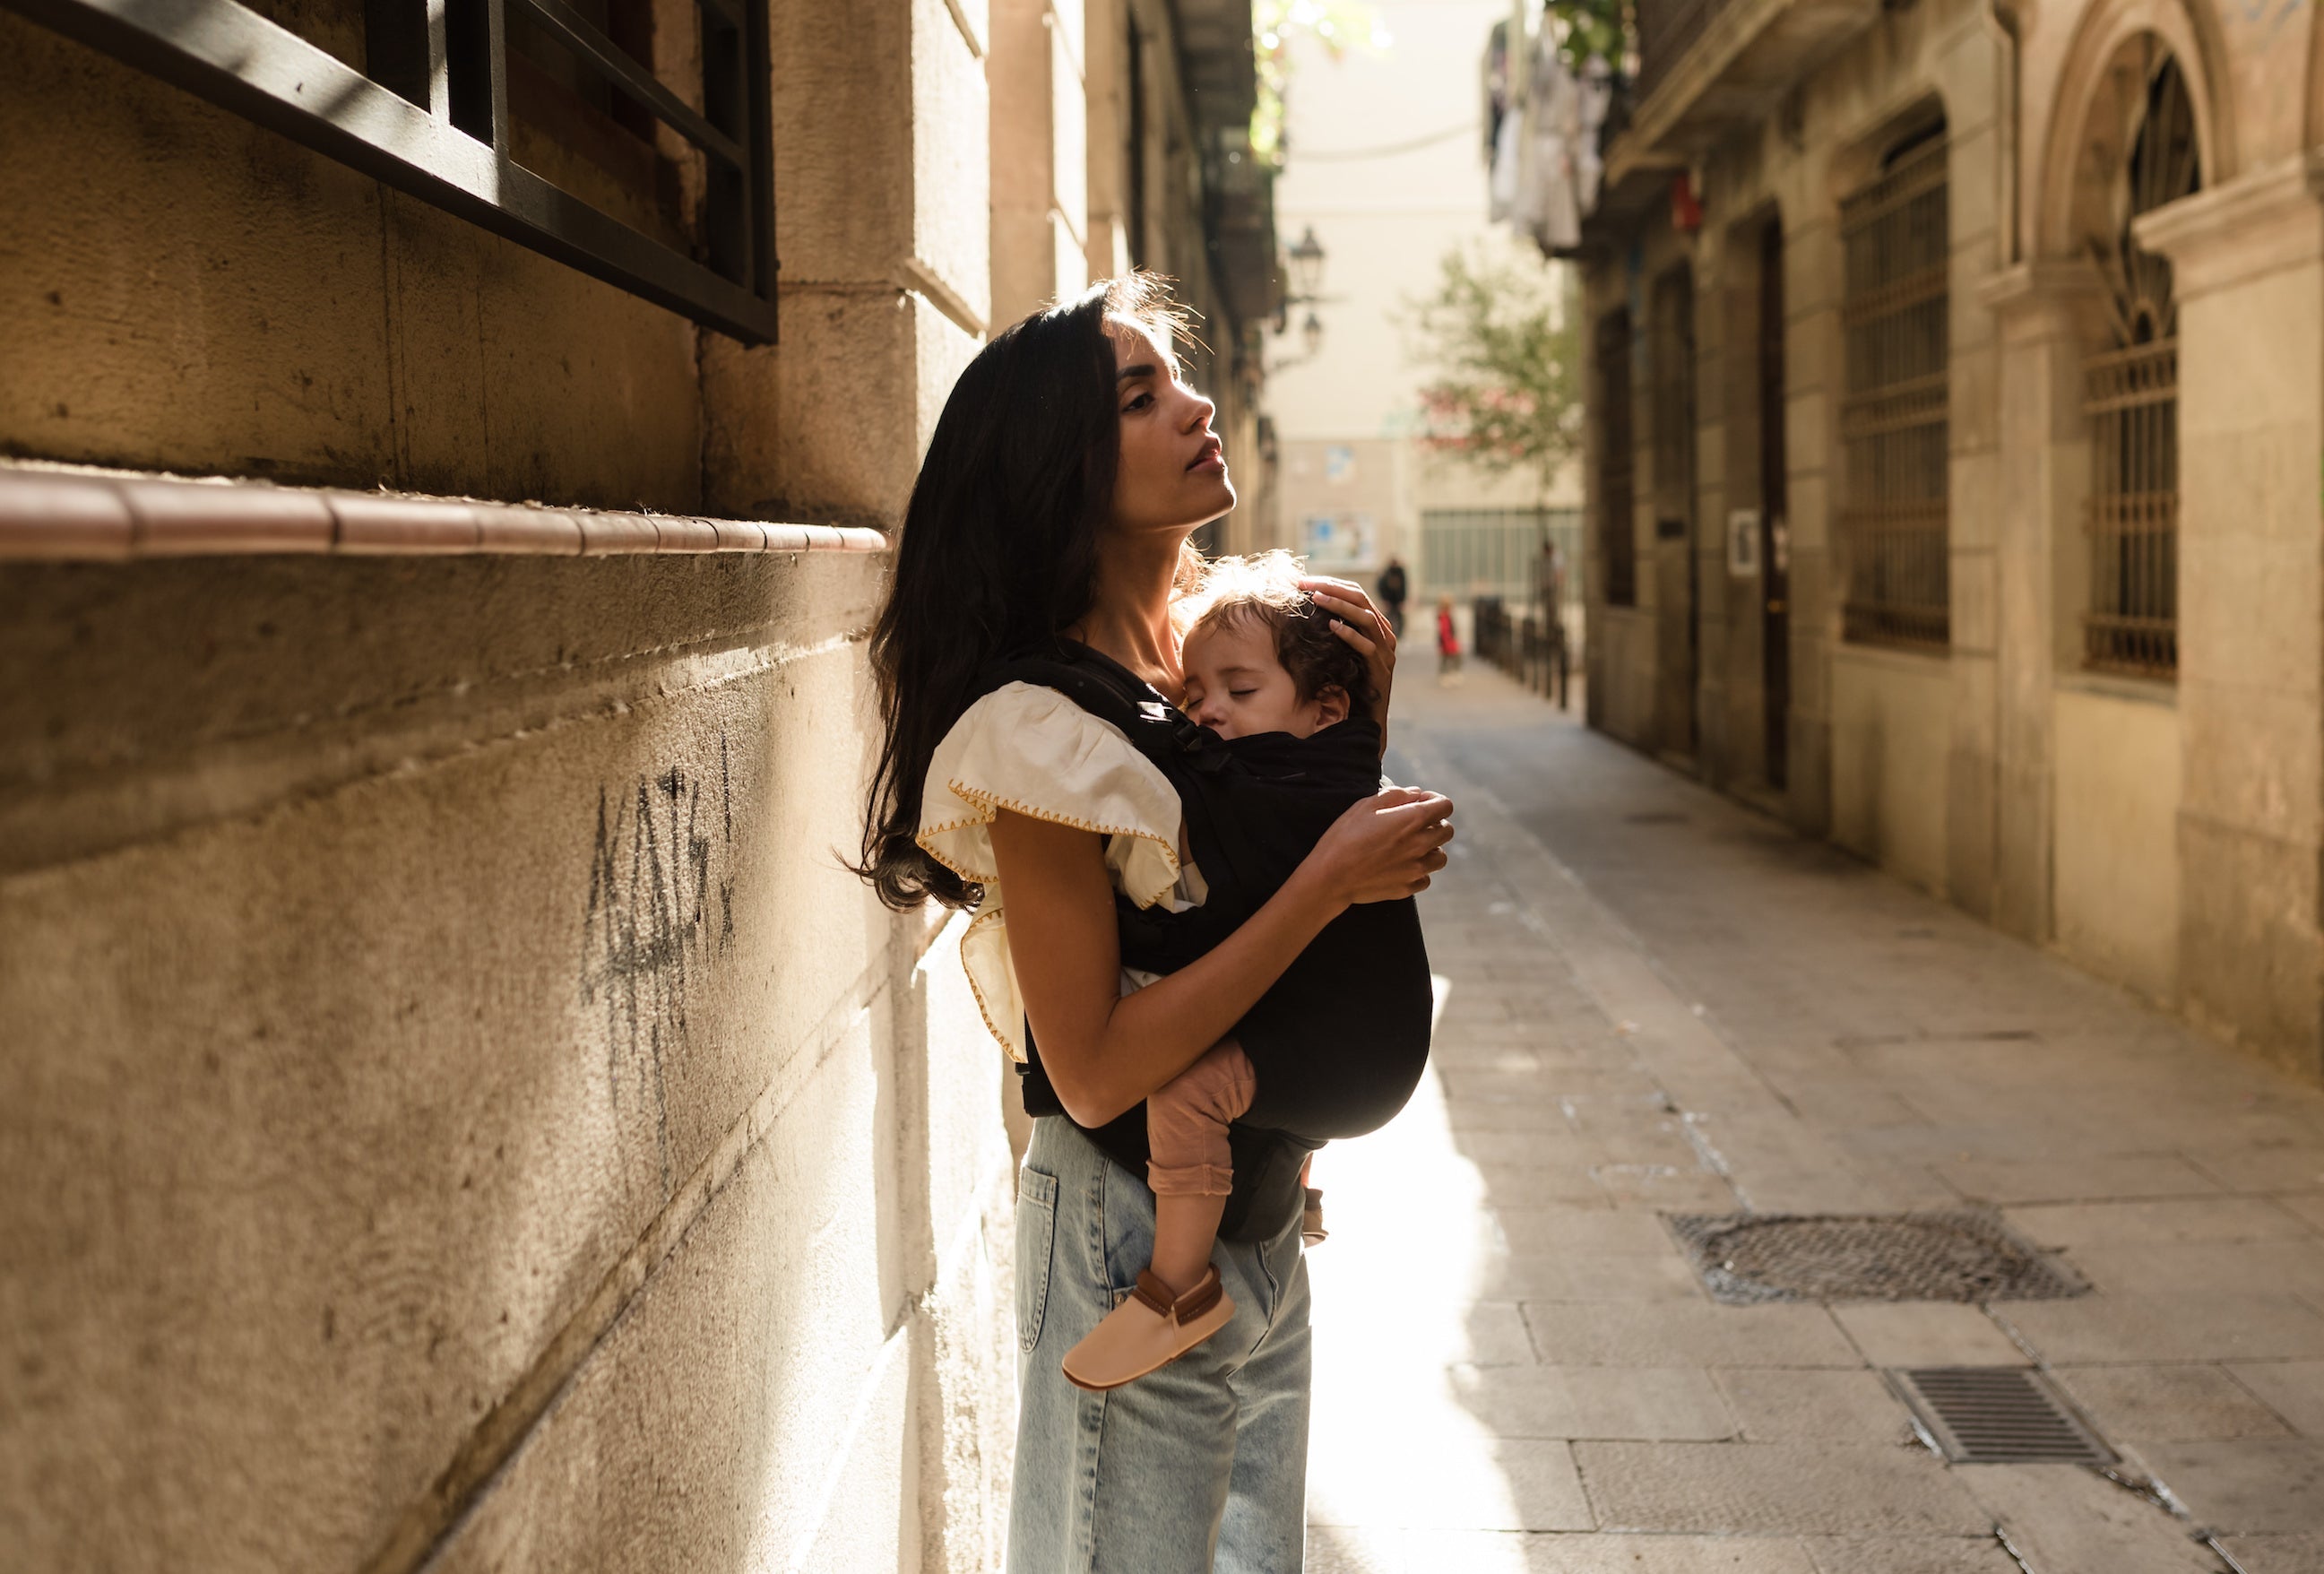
(2261,222)
(62,514)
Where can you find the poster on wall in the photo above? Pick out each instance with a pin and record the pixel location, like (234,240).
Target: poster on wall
(1331,542)
(1743,543)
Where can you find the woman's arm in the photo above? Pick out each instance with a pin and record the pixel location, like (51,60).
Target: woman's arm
(1105,1051)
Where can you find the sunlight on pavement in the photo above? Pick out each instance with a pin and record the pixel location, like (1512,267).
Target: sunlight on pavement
(1394,1445)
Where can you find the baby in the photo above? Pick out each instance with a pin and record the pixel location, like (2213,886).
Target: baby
(1261,657)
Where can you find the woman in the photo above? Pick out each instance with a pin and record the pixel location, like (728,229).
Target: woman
(1069,468)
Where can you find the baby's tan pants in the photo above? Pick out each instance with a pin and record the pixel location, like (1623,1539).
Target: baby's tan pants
(1187,1124)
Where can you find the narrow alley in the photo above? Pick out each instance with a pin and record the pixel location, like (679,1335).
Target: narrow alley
(1654,1003)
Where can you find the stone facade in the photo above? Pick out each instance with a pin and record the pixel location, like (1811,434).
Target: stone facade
(2157,821)
(457,1110)
(1121,147)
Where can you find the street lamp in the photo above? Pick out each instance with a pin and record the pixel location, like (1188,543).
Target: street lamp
(1305,260)
(1307,266)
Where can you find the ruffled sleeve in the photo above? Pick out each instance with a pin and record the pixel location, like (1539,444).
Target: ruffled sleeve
(1032,750)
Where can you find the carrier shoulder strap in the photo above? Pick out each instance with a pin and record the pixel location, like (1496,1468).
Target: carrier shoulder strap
(1091,684)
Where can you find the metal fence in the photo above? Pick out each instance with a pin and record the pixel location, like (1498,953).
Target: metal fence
(1892,418)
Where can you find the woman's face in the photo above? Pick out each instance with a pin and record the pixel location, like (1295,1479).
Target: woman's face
(1173,473)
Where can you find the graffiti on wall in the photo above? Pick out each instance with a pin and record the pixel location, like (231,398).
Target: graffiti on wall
(661,905)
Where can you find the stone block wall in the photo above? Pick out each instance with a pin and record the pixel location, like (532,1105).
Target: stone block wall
(456,1109)
(2161,826)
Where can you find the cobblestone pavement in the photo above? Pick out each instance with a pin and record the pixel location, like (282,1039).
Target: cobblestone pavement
(1653,1000)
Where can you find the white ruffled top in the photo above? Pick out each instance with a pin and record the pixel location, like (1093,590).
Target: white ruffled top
(1033,750)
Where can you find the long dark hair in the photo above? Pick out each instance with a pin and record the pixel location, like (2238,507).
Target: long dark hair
(999,549)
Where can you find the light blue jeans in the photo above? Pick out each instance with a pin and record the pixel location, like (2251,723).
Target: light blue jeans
(1201,1466)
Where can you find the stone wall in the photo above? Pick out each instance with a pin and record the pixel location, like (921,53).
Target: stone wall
(2162,829)
(457,1110)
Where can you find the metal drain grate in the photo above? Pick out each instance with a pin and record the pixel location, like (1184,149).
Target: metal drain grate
(1998,1415)
(1744,1259)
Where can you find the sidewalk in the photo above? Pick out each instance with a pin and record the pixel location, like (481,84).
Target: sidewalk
(1653,1000)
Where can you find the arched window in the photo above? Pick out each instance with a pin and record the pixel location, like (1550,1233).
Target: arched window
(2131,393)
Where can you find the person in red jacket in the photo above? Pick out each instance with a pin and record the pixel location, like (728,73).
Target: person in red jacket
(1448,641)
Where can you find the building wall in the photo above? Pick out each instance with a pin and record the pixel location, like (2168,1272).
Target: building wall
(2116,898)
(1067,130)
(1890,715)
(458,1111)
(1385,167)
(2164,833)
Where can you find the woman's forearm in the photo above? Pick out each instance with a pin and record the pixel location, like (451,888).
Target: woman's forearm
(1154,1033)
(1105,1051)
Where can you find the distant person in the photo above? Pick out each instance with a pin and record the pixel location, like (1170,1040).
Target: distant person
(1448,642)
(1392,591)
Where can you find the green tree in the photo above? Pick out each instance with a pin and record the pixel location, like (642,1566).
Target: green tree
(1590,29)
(1508,395)
(1337,25)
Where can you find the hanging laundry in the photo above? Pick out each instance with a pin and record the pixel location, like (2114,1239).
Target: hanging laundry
(1543,125)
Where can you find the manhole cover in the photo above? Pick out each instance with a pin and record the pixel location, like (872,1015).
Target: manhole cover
(1998,1415)
(1746,1258)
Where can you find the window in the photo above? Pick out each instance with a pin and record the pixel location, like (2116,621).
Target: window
(2131,398)
(1336,543)
(1617,531)
(1892,416)
(630,139)
(1494,552)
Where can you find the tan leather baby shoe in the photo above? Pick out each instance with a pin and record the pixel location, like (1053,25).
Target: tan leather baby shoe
(1148,1329)
(1311,1218)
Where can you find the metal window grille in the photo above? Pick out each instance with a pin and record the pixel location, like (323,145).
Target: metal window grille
(429,112)
(1618,536)
(2131,398)
(1893,420)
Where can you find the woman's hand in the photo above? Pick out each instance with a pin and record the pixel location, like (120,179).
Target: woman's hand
(1359,623)
(1385,848)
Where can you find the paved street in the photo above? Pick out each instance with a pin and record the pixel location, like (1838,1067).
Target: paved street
(1654,1000)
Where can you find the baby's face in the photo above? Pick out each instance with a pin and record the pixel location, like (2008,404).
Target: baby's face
(1236,685)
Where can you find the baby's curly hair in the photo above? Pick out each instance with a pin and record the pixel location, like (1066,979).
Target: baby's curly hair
(1263,588)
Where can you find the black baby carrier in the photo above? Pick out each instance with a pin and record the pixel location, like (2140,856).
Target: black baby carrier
(1338,1042)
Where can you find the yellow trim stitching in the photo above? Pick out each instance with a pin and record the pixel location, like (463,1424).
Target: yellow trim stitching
(990,803)
(984,1009)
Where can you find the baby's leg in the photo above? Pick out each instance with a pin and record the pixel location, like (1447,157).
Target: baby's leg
(1192,1169)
